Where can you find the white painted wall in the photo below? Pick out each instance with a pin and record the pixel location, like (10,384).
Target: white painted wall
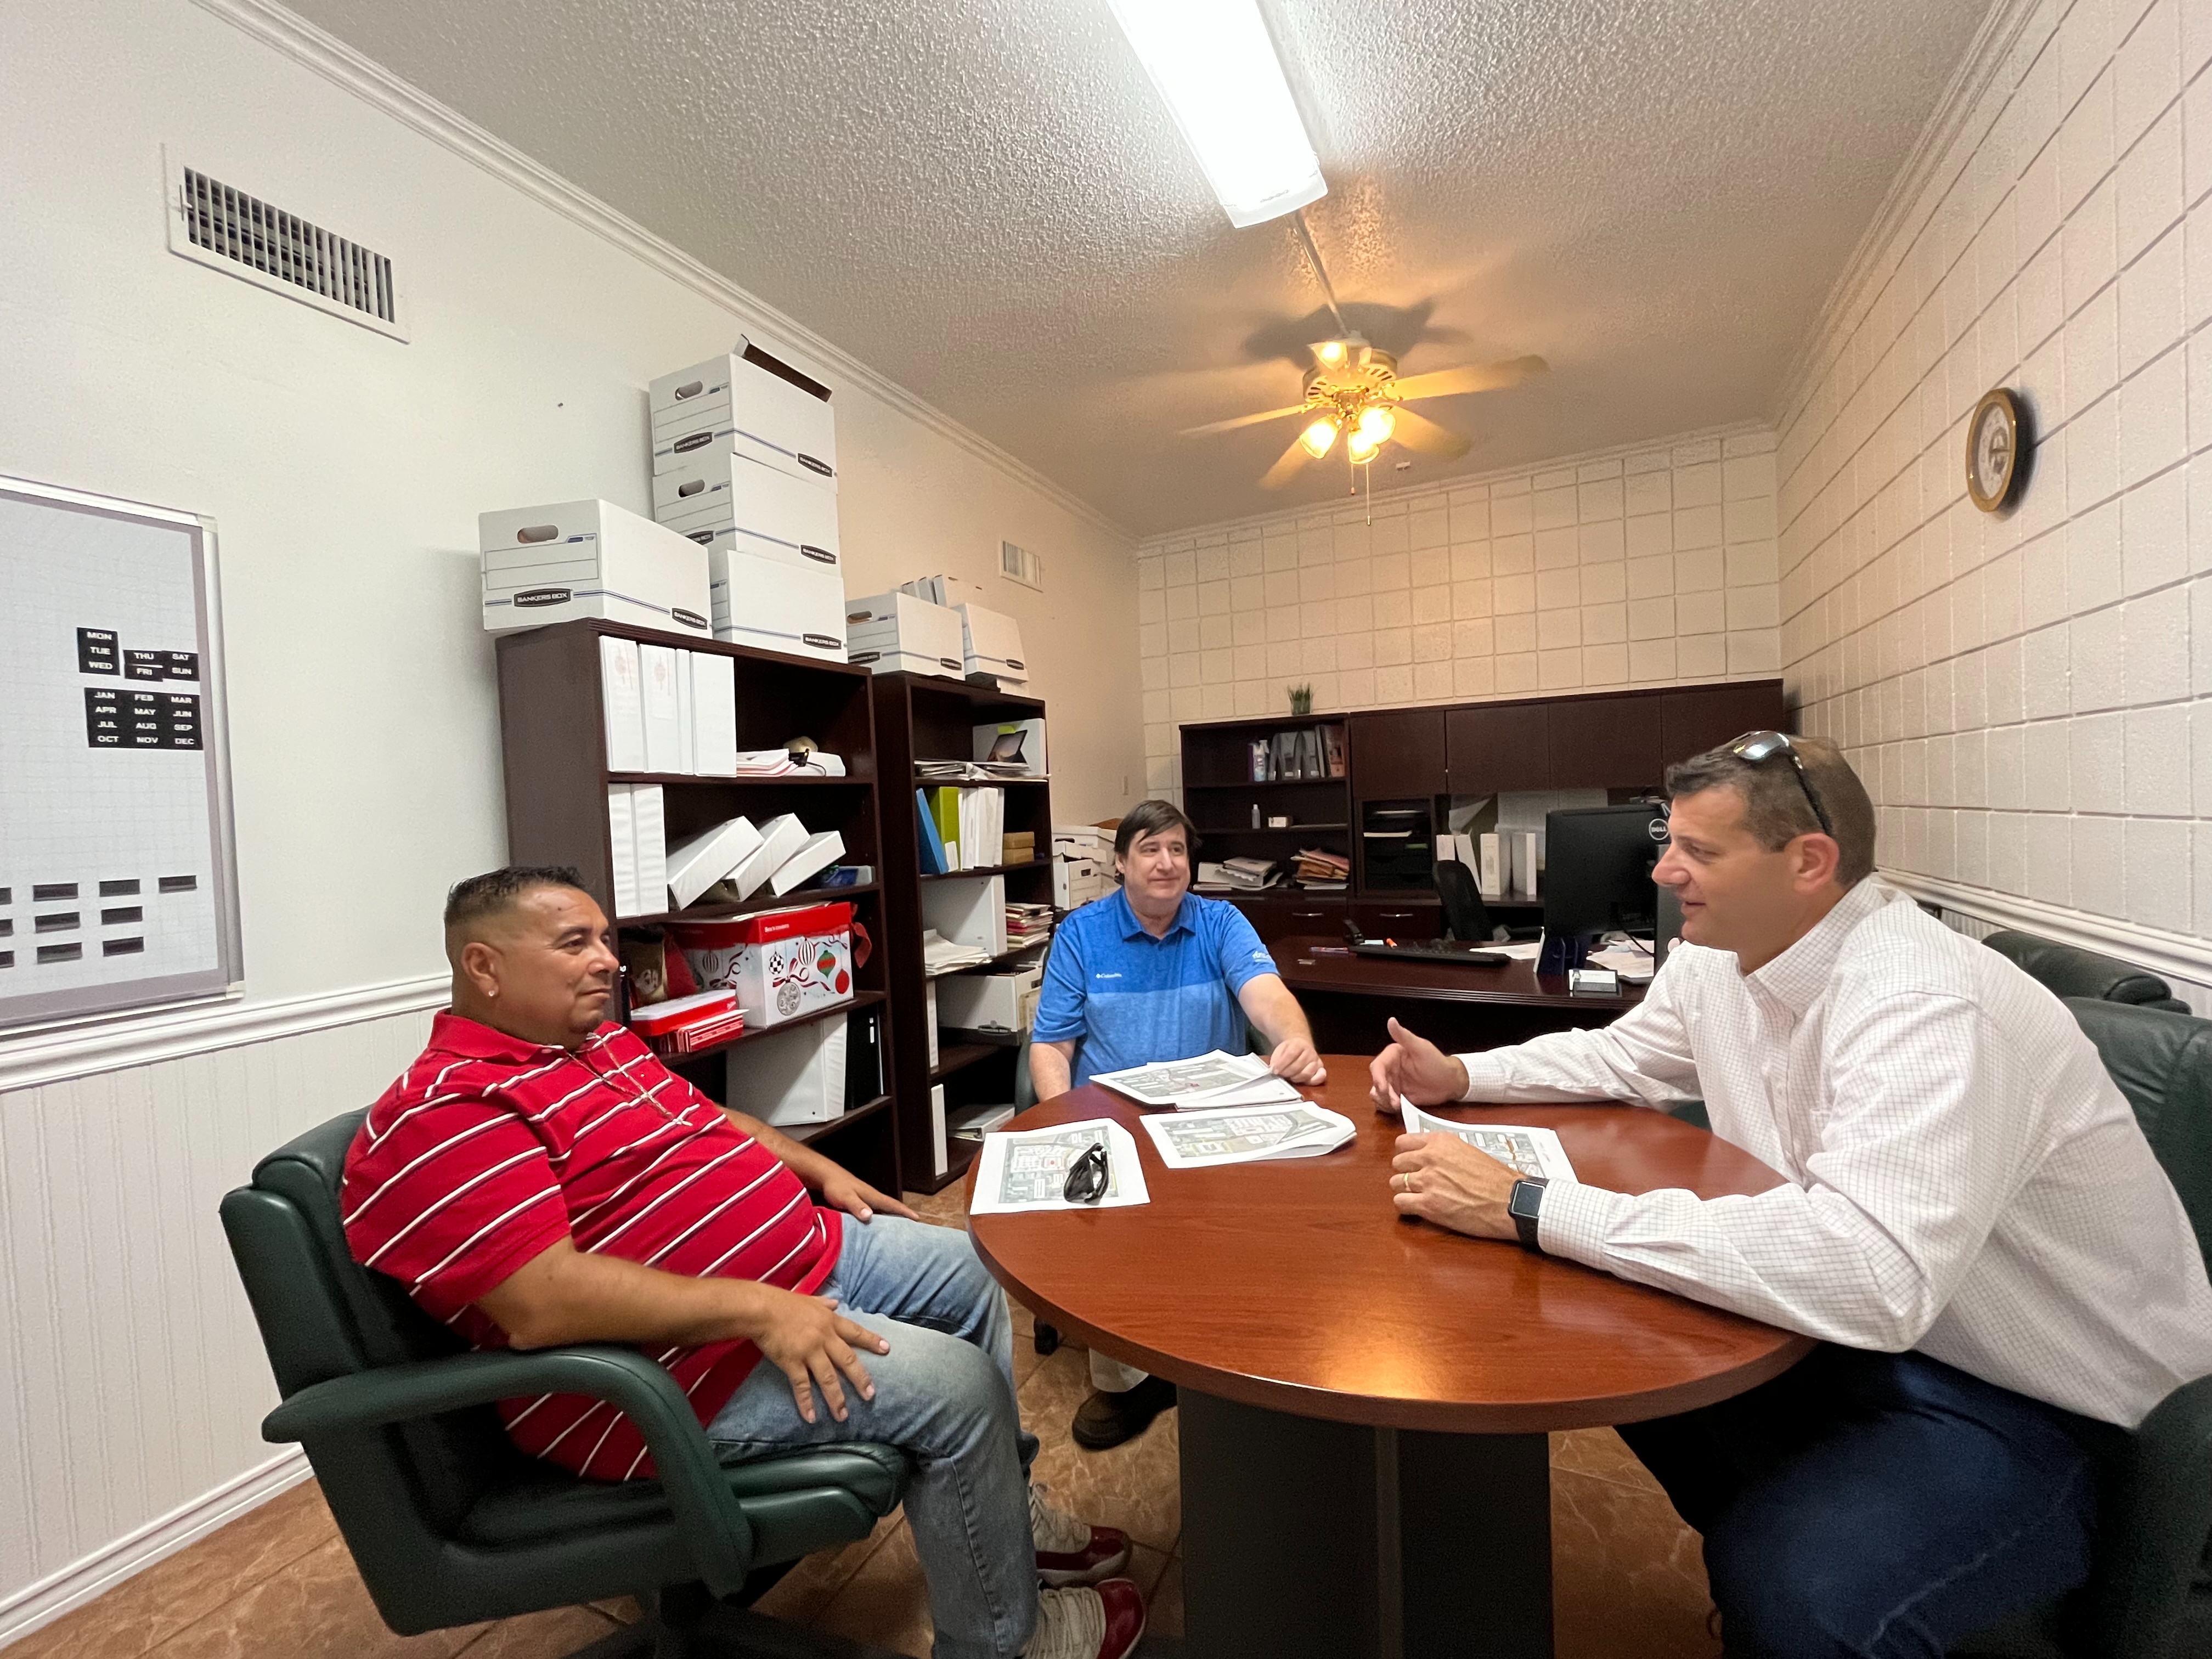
(2024,694)
(345,472)
(1646,566)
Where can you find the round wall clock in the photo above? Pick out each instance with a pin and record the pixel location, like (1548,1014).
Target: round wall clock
(1995,440)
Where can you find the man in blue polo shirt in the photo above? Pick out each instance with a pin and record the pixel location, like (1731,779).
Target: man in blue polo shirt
(1152,973)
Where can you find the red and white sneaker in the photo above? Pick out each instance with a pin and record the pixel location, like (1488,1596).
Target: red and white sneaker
(1070,1551)
(1105,1621)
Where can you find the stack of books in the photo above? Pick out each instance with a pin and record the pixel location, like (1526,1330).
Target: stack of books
(1028,925)
(1250,875)
(1322,872)
(686,1025)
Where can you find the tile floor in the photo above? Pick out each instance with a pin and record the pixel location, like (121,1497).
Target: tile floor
(277,1583)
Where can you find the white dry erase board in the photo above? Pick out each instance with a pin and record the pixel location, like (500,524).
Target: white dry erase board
(118,887)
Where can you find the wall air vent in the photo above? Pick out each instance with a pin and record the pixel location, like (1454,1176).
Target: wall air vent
(1019,564)
(230,230)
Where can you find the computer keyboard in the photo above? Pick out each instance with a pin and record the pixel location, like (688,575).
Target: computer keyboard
(1432,949)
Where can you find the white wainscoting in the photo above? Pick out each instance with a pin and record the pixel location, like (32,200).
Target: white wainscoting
(132,1379)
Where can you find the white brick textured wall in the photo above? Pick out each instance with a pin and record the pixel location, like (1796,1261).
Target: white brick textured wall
(2023,693)
(1638,566)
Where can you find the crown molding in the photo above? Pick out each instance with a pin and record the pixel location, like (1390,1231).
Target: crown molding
(57,1054)
(1986,54)
(315,49)
(1396,501)
(2177,956)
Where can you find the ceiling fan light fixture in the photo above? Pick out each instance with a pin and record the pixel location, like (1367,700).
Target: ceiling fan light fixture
(1362,448)
(1375,424)
(1216,68)
(1319,436)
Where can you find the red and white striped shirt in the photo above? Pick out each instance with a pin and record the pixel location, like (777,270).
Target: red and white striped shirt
(490,1149)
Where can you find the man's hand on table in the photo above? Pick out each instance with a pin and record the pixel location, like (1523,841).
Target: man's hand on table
(1440,1178)
(804,1337)
(1294,1058)
(843,1190)
(1415,1068)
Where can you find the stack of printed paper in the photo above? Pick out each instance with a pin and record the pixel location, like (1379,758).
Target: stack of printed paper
(1211,1079)
(1531,1151)
(1028,1169)
(1246,1134)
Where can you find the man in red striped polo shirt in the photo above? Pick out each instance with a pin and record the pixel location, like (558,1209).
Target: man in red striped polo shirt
(538,1176)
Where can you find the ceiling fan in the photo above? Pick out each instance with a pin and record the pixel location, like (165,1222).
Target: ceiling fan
(1353,392)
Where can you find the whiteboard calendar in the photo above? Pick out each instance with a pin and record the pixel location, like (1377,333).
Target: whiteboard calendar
(116,887)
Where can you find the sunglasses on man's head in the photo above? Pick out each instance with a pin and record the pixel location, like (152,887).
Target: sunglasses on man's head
(1086,1176)
(1755,748)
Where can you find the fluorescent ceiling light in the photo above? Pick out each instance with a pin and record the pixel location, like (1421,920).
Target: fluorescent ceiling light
(1217,69)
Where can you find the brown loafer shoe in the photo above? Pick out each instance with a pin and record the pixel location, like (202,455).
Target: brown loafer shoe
(1108,1419)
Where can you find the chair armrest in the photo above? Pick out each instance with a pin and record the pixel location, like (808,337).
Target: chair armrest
(710,1519)
(2158,1514)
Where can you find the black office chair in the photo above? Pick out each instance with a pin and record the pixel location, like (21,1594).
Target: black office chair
(2150,1595)
(1464,911)
(2067,970)
(449,1523)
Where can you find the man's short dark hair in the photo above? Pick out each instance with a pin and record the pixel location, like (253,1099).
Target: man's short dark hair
(1775,809)
(494,892)
(1149,817)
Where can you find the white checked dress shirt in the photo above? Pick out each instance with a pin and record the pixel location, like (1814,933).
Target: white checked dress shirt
(1963,1177)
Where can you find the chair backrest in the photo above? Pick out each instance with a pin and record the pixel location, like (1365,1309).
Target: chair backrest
(2066,970)
(1465,914)
(2163,1064)
(322,1316)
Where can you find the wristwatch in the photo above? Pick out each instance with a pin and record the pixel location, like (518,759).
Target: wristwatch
(1523,1203)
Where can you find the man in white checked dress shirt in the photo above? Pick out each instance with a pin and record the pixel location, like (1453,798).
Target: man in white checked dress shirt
(1972,1218)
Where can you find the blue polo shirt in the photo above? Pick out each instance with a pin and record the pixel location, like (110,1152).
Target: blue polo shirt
(1133,999)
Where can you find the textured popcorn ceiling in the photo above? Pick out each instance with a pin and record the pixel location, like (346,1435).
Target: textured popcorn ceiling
(985,201)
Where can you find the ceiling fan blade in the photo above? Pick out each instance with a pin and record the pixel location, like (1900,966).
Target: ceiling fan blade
(1424,436)
(1473,377)
(1242,420)
(1288,464)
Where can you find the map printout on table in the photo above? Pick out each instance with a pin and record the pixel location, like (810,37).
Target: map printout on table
(1027,1169)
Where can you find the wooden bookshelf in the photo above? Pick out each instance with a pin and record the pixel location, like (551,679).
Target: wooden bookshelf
(553,752)
(918,718)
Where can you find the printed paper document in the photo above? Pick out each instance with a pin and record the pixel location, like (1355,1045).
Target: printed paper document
(1531,1151)
(1028,1170)
(1246,1134)
(1215,1078)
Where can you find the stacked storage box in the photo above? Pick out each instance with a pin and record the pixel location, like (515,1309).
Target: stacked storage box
(891,633)
(745,462)
(571,559)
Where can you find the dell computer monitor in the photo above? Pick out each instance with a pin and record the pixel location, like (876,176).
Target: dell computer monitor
(1597,869)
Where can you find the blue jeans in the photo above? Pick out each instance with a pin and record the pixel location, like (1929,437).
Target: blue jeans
(1878,1505)
(944,1393)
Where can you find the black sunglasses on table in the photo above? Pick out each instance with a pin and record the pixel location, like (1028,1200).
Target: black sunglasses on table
(1086,1176)
(1757,747)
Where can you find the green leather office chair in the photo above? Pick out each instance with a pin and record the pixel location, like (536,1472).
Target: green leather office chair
(2066,970)
(449,1523)
(2149,1596)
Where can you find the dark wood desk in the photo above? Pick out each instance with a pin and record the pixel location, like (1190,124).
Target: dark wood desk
(1365,1400)
(1348,999)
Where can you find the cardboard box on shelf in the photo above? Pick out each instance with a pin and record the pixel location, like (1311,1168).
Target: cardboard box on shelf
(590,558)
(757,402)
(781,963)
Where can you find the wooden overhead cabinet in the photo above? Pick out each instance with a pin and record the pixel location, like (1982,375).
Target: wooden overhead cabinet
(1398,754)
(1606,743)
(1706,716)
(1498,746)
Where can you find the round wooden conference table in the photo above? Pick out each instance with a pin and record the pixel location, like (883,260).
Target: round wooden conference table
(1365,1400)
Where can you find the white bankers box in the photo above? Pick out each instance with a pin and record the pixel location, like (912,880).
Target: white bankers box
(725,501)
(554,564)
(888,632)
(774,606)
(752,402)
(992,645)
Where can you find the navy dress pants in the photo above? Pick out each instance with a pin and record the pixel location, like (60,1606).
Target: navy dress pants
(1878,1505)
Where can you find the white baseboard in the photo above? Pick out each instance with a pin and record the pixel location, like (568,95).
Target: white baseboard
(40,1604)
